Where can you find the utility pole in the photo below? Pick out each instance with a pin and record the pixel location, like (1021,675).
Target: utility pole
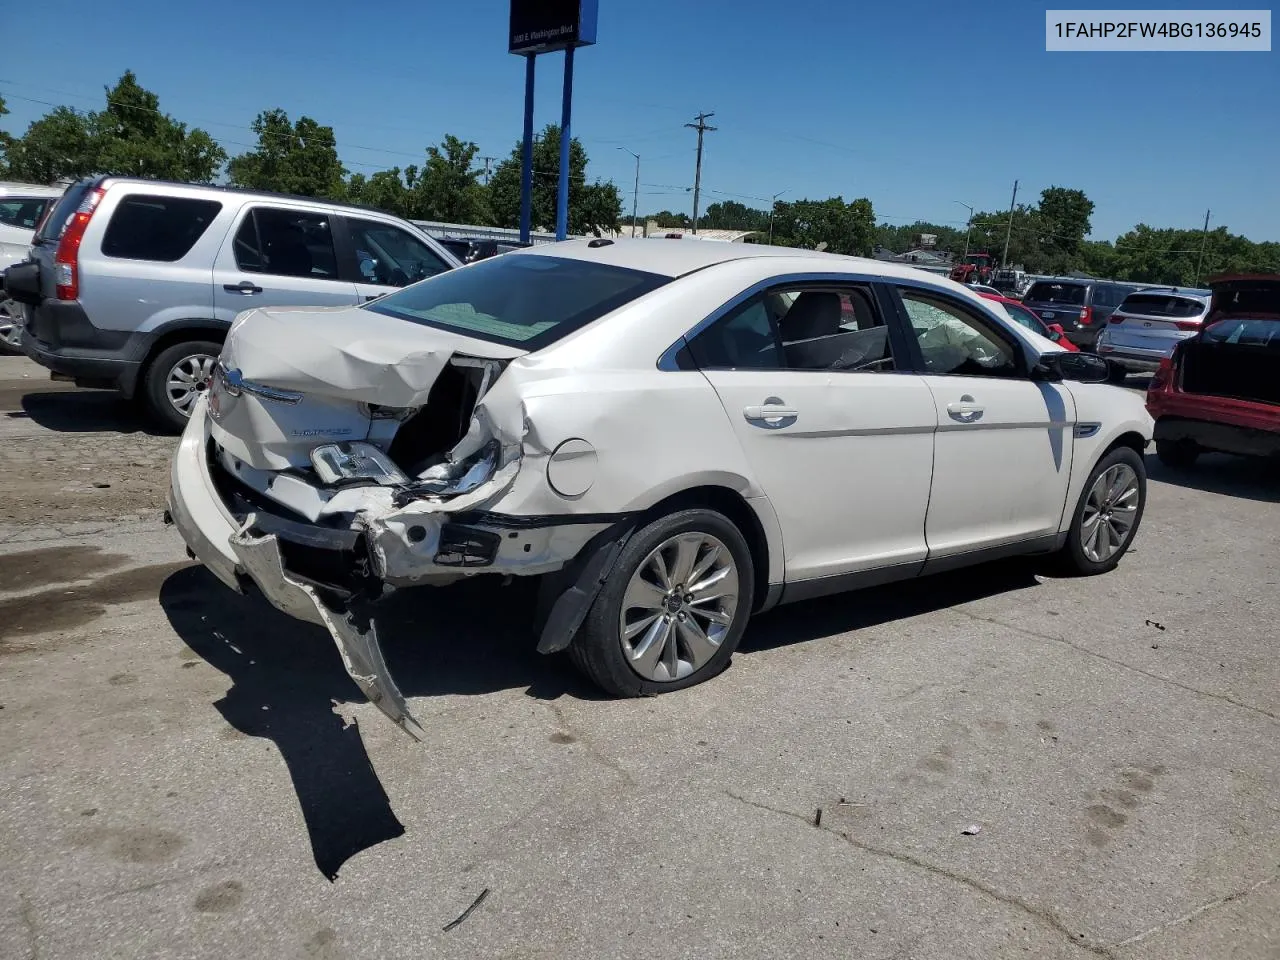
(701,127)
(773,206)
(1204,235)
(635,195)
(968,228)
(1004,260)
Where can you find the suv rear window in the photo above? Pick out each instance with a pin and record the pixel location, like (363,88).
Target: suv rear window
(1162,305)
(521,301)
(164,229)
(56,222)
(1070,293)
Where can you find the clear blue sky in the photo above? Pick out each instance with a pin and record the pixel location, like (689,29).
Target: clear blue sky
(914,105)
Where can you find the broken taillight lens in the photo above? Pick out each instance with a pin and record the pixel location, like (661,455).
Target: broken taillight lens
(1163,375)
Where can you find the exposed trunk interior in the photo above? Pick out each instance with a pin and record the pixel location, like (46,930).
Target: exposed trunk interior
(1231,370)
(427,436)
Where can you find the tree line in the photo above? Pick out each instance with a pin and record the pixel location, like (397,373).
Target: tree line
(132,136)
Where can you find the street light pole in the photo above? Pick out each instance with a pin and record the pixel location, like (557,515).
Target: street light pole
(1008,231)
(968,227)
(773,206)
(635,195)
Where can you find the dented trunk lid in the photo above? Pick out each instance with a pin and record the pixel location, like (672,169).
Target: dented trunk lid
(304,376)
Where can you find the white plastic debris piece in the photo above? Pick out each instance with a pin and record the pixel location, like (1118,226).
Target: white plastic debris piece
(972,830)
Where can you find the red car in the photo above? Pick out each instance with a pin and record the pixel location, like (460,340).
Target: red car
(1033,323)
(1220,391)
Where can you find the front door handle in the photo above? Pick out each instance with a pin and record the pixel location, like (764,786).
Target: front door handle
(771,415)
(244,287)
(966,411)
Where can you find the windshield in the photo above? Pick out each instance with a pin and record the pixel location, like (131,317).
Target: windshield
(1069,293)
(522,301)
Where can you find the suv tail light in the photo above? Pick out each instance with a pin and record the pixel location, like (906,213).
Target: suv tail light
(1117,318)
(1163,375)
(66,261)
(1188,324)
(1086,316)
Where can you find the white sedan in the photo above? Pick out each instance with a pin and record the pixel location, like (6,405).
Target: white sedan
(672,435)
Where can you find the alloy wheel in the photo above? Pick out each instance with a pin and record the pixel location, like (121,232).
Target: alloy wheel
(188,379)
(1109,513)
(10,323)
(678,607)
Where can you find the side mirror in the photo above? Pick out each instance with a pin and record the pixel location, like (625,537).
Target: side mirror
(1082,367)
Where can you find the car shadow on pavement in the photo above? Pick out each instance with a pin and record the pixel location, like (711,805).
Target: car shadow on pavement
(286,676)
(874,606)
(85,411)
(1249,478)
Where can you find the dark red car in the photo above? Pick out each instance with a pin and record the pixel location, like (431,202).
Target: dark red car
(1033,323)
(1220,391)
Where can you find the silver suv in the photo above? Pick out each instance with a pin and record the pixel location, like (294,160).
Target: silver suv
(134,283)
(1148,325)
(22,205)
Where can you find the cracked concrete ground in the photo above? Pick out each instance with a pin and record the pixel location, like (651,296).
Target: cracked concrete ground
(184,770)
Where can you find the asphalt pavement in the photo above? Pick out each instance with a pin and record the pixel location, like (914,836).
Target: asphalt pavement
(989,764)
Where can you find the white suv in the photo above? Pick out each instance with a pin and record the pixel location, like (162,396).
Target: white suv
(22,205)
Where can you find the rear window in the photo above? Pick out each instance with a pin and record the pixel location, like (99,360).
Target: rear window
(56,222)
(1069,293)
(163,229)
(1245,331)
(1162,305)
(22,212)
(522,301)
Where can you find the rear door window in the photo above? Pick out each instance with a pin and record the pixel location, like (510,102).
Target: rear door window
(286,243)
(157,228)
(1069,294)
(22,212)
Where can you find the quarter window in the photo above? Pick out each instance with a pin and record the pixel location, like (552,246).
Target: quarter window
(837,328)
(286,243)
(162,229)
(956,342)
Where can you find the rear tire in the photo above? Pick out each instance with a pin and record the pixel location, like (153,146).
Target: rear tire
(10,326)
(1178,454)
(166,399)
(639,638)
(1110,508)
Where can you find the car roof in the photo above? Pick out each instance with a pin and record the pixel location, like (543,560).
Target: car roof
(109,180)
(8,189)
(1191,293)
(673,258)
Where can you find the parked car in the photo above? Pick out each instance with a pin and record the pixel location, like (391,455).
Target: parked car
(134,283)
(21,207)
(1220,389)
(1022,315)
(645,425)
(1145,328)
(469,250)
(1082,307)
(983,290)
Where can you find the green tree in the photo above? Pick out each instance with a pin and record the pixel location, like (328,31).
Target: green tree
(847,228)
(593,207)
(448,188)
(133,137)
(665,218)
(385,190)
(299,158)
(59,144)
(732,215)
(902,238)
(1061,223)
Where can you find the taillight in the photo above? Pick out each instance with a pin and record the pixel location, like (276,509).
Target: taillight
(1188,324)
(1117,318)
(1163,375)
(66,261)
(1086,316)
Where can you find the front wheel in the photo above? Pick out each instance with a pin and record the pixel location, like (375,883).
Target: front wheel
(1108,513)
(673,609)
(176,379)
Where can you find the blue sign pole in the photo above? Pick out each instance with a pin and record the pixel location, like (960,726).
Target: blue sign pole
(526,163)
(562,198)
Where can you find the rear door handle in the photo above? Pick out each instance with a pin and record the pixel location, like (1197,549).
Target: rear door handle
(244,287)
(966,411)
(771,415)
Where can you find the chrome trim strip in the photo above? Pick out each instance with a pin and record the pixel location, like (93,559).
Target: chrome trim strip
(234,383)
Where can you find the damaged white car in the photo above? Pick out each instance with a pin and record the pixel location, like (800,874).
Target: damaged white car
(673,436)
